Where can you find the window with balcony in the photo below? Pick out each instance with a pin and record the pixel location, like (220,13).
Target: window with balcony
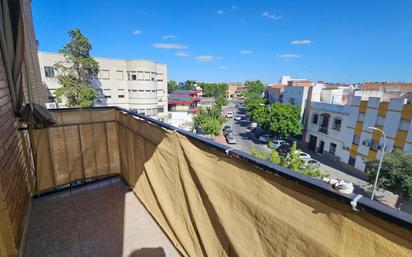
(140,75)
(374,145)
(147,75)
(324,124)
(337,124)
(131,75)
(49,71)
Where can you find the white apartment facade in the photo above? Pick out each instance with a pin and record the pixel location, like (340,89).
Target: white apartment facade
(139,85)
(360,142)
(325,128)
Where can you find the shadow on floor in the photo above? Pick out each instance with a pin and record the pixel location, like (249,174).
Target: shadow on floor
(148,252)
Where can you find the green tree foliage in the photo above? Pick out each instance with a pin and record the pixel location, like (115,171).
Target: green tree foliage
(209,120)
(255,89)
(395,175)
(221,101)
(172,86)
(293,161)
(77,72)
(282,120)
(189,85)
(214,89)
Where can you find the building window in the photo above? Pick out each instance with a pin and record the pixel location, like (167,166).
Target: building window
(315,118)
(49,71)
(380,121)
(356,140)
(119,75)
(121,93)
(337,124)
(332,148)
(141,76)
(104,74)
(159,76)
(160,109)
(147,75)
(131,75)
(106,93)
(352,161)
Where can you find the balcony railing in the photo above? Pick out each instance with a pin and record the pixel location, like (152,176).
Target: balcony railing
(323,129)
(209,199)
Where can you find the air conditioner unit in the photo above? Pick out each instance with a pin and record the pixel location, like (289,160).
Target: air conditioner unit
(366,143)
(379,147)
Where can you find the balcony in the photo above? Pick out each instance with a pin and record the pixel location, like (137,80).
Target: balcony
(177,193)
(323,129)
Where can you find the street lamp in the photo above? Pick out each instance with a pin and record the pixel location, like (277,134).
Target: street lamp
(380,161)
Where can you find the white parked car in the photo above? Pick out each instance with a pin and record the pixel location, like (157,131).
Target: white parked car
(275,144)
(252,125)
(238,118)
(265,138)
(303,155)
(229,115)
(230,138)
(313,163)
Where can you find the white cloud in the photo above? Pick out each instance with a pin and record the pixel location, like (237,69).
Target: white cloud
(301,42)
(290,56)
(271,16)
(245,52)
(169,46)
(234,7)
(182,54)
(136,32)
(204,58)
(223,67)
(169,36)
(220,12)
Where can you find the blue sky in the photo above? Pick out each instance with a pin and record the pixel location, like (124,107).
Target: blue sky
(336,41)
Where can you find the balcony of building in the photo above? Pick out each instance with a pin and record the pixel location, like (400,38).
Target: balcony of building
(172,193)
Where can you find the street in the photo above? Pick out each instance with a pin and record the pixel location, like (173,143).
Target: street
(247,142)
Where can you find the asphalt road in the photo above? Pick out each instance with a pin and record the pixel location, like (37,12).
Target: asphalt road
(246,142)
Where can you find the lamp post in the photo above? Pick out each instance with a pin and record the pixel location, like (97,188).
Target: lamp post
(380,161)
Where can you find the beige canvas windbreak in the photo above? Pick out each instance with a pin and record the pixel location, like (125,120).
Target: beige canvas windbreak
(208,203)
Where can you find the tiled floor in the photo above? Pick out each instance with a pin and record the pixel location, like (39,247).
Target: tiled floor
(100,219)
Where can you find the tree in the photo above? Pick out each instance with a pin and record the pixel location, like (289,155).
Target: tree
(255,89)
(395,174)
(221,101)
(172,86)
(293,161)
(209,120)
(214,89)
(77,72)
(283,120)
(189,85)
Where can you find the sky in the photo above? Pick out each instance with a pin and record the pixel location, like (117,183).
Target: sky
(226,41)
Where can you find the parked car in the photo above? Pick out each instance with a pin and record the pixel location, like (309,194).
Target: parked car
(265,138)
(230,138)
(226,127)
(252,125)
(314,163)
(238,118)
(283,150)
(276,143)
(227,132)
(257,131)
(229,115)
(303,155)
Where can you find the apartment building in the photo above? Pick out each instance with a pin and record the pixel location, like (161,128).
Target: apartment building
(393,117)
(139,85)
(300,94)
(325,128)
